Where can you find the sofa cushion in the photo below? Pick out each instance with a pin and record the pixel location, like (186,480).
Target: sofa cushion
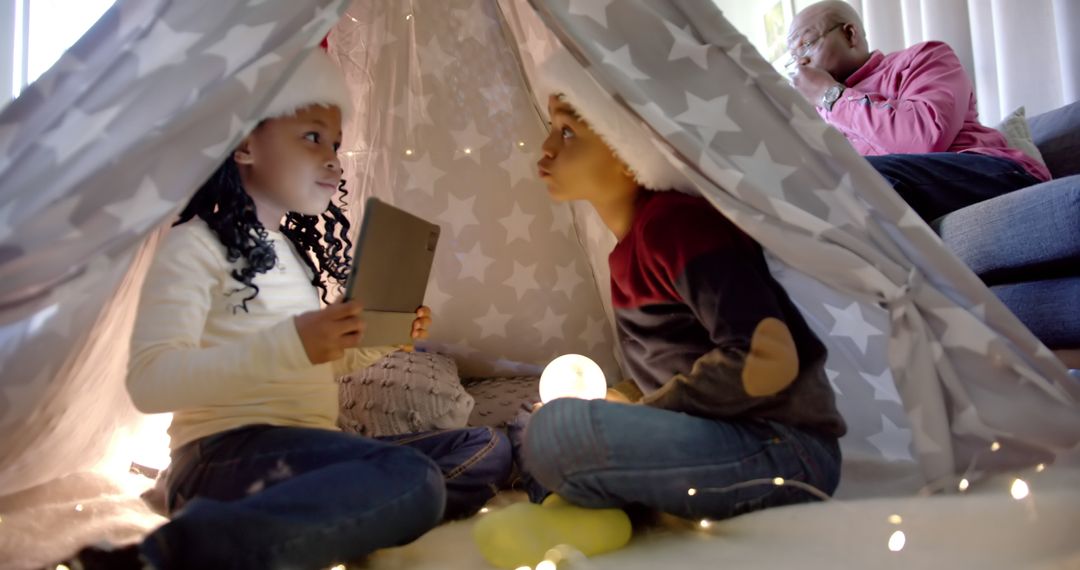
(1026,235)
(1057,134)
(1050,309)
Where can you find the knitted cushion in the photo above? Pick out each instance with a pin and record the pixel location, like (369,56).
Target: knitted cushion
(498,400)
(404,393)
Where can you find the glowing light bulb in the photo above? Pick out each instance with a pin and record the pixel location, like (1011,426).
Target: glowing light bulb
(572,376)
(468,150)
(964,485)
(895,519)
(408,152)
(897,541)
(484,511)
(705,523)
(62,567)
(1040,467)
(546,565)
(79,508)
(995,446)
(338,567)
(523,568)
(521,144)
(778,481)
(692,491)
(408,16)
(1019,489)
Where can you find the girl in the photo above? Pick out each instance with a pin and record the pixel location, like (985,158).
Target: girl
(732,379)
(230,337)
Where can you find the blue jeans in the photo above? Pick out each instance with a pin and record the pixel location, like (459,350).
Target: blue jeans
(601,454)
(281,497)
(937,183)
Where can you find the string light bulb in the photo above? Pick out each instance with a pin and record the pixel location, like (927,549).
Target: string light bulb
(62,567)
(779,481)
(895,519)
(964,484)
(79,508)
(1040,467)
(705,523)
(1019,489)
(338,567)
(484,511)
(408,16)
(995,446)
(546,565)
(897,541)
(521,144)
(468,150)
(691,491)
(523,568)
(408,152)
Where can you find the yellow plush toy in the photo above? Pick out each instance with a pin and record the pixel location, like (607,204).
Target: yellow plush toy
(521,534)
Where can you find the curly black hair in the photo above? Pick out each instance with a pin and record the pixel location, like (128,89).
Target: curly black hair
(227,208)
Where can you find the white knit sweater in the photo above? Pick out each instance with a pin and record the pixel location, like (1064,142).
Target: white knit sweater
(215,368)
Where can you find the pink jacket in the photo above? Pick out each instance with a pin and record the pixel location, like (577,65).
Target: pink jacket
(918,100)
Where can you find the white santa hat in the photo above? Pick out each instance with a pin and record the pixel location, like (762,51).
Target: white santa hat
(629,140)
(317,81)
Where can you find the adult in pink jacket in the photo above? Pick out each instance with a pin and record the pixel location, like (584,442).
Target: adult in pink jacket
(912,113)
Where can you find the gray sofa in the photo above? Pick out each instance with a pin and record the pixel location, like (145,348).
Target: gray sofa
(1026,245)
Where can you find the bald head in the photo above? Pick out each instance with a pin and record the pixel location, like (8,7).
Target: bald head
(829,35)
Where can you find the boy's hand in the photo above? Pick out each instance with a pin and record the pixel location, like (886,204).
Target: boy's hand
(327,333)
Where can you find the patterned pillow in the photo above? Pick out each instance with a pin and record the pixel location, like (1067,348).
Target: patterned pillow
(498,400)
(404,393)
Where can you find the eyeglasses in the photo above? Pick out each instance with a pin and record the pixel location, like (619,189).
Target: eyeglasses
(806,48)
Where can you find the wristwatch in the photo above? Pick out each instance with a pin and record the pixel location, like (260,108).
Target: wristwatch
(831,96)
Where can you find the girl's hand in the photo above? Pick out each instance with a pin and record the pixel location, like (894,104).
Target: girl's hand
(420,327)
(327,333)
(422,323)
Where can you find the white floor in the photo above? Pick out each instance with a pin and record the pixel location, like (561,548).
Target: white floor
(985,528)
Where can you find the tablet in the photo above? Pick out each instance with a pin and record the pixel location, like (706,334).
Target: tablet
(391,267)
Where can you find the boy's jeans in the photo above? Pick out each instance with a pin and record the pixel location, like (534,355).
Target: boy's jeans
(600,454)
(282,497)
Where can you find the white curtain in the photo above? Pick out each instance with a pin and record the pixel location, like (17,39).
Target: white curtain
(1018,52)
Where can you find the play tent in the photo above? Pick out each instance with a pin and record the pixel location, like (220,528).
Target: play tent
(942,387)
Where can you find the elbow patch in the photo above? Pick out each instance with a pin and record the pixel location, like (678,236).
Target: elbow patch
(773,361)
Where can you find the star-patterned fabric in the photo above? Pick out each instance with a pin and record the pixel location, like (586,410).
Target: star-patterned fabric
(94,156)
(511,287)
(929,367)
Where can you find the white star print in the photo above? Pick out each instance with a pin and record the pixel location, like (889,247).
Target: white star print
(685,46)
(550,327)
(564,219)
(517,224)
(884,386)
(832,375)
(164,47)
(595,9)
(142,210)
(728,178)
(568,279)
(521,166)
(893,442)
(422,174)
(220,150)
(620,59)
(499,97)
(594,333)
(78,129)
(963,330)
(538,46)
(250,74)
(710,117)
(459,214)
(474,263)
(850,323)
(232,46)
(433,60)
(468,139)
(523,279)
(413,109)
(493,323)
(763,169)
(474,23)
(835,213)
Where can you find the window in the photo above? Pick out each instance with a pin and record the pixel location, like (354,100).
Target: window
(39,32)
